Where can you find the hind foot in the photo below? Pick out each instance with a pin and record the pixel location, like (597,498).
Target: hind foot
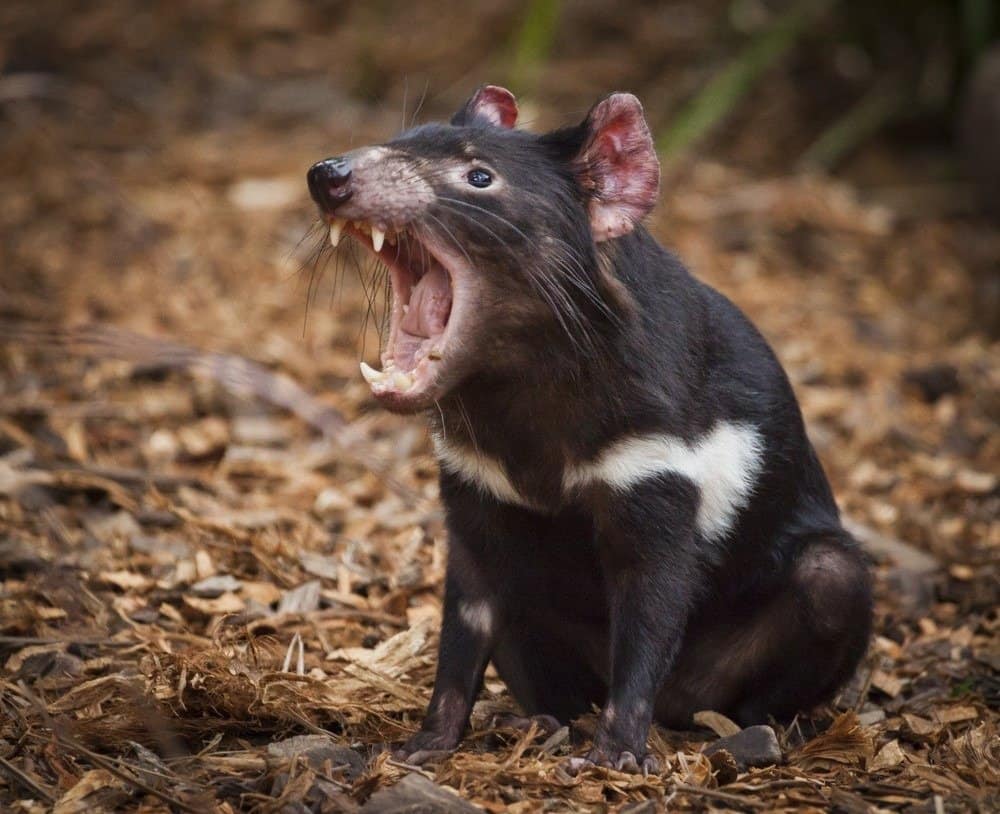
(426,746)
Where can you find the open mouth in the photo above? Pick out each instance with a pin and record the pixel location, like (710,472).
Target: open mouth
(424,308)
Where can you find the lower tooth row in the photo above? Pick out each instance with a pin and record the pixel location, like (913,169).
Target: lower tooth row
(381,378)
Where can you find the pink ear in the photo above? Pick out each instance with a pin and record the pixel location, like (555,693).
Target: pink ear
(620,166)
(491,103)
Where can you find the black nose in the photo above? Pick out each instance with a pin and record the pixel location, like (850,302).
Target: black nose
(330,182)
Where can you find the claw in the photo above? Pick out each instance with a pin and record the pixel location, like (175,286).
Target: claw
(575,765)
(627,763)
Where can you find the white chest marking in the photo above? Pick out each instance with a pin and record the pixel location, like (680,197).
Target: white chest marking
(724,464)
(478,469)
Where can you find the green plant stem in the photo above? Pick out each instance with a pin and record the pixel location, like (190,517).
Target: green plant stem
(533,43)
(724,91)
(883,103)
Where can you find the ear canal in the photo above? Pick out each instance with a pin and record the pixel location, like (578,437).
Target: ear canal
(490,104)
(619,166)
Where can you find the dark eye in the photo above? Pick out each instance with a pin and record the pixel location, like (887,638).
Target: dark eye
(479,178)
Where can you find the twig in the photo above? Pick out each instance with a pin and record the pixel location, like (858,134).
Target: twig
(17,776)
(111,766)
(411,767)
(28,641)
(715,794)
(170,799)
(781,783)
(131,477)
(903,554)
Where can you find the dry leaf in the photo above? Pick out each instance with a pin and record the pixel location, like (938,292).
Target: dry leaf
(125,580)
(888,756)
(75,800)
(717,722)
(226,603)
(950,715)
(845,743)
(921,726)
(891,685)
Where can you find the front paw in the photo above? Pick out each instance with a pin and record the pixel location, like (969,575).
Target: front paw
(425,746)
(623,761)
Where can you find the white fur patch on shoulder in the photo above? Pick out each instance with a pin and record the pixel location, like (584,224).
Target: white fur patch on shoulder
(724,464)
(480,470)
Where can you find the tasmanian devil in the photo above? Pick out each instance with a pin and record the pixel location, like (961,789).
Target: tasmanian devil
(636,517)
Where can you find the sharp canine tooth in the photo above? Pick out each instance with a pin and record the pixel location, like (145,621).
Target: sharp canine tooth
(372,376)
(378,238)
(336,227)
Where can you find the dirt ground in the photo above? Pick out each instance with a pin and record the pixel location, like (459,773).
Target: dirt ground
(221,564)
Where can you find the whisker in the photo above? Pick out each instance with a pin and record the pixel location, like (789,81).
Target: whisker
(558,300)
(420,104)
(402,118)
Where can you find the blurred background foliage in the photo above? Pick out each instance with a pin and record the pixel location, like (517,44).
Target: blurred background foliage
(900,98)
(822,80)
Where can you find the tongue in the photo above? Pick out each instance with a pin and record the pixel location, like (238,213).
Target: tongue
(430,305)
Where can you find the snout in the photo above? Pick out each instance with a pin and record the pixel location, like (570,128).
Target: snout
(330,182)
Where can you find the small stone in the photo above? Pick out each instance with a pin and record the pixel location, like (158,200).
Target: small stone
(416,793)
(318,751)
(753,746)
(871,717)
(146,615)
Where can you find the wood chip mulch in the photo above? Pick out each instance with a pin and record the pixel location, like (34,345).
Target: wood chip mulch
(221,565)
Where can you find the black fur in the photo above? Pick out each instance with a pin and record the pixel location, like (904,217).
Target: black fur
(608,598)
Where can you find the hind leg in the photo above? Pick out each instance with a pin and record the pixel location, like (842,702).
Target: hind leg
(787,654)
(547,672)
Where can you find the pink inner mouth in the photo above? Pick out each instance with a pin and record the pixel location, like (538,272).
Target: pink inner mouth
(421,314)
(424,318)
